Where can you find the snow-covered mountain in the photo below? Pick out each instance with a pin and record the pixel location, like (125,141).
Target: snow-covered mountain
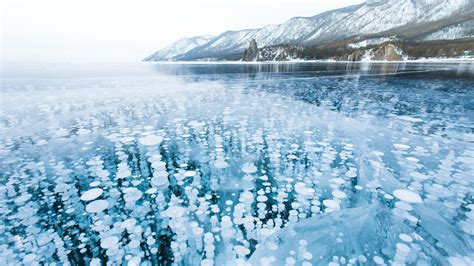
(461,30)
(181,46)
(371,17)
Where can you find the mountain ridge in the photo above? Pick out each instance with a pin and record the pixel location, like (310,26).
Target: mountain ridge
(181,46)
(351,22)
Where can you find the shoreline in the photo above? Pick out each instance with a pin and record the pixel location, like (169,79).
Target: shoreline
(423,60)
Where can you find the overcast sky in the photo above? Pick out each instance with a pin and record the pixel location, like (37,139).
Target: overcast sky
(120,31)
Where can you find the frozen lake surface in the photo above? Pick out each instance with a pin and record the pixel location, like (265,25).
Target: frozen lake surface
(258,164)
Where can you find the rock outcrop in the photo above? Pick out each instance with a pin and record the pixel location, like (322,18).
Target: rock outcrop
(251,53)
(272,53)
(355,56)
(397,50)
(386,52)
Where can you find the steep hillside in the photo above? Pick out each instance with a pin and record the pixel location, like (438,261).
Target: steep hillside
(391,50)
(181,46)
(402,19)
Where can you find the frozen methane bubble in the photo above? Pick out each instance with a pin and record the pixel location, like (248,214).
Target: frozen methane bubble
(249,168)
(407,195)
(175,211)
(160,179)
(406,238)
(128,224)
(134,261)
(151,140)
(410,118)
(403,248)
(97,206)
(20,200)
(351,173)
(207,262)
(403,206)
(91,194)
(221,164)
(132,194)
(109,242)
(339,194)
(378,260)
(400,146)
(419,176)
(189,173)
(332,204)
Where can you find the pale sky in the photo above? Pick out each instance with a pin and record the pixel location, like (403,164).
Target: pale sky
(128,31)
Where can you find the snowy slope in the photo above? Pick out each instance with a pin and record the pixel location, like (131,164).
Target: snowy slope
(462,30)
(179,47)
(378,17)
(358,20)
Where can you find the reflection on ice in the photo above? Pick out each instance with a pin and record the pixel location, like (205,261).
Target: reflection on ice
(310,171)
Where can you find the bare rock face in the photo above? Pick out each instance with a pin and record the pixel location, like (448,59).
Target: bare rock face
(251,53)
(355,56)
(387,53)
(391,53)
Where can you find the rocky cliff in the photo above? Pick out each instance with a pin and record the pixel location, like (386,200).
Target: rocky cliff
(392,50)
(387,52)
(251,53)
(271,53)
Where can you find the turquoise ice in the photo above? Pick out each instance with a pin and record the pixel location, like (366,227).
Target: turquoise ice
(292,164)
